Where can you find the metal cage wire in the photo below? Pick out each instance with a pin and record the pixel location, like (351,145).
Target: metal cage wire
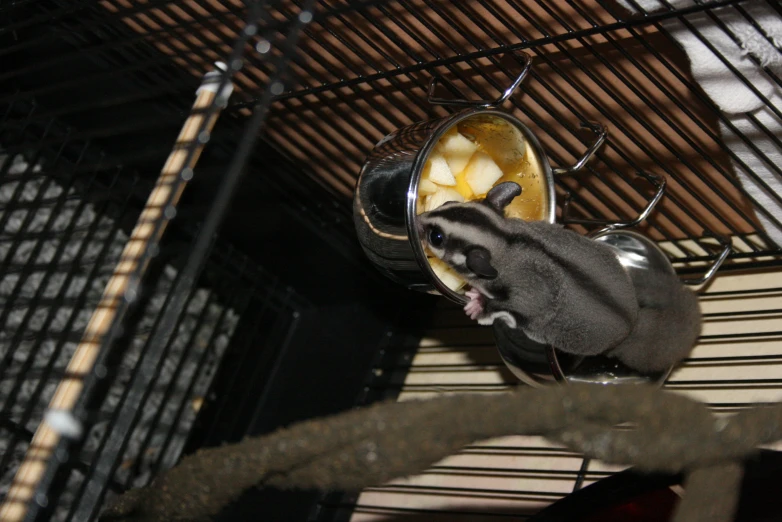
(132,373)
(90,115)
(372,60)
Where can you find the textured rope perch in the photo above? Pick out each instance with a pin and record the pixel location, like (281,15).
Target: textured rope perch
(388,440)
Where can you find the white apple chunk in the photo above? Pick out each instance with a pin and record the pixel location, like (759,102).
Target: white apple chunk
(457,150)
(439,172)
(481,173)
(442,196)
(426,187)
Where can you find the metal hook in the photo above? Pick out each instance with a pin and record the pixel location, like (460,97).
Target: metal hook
(483,103)
(712,271)
(601,132)
(658,181)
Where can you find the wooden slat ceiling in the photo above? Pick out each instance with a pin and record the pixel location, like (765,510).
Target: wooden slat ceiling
(358,75)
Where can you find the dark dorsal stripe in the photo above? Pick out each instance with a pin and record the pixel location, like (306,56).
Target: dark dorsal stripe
(470,215)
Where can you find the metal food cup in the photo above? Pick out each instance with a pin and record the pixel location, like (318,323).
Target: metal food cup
(384,203)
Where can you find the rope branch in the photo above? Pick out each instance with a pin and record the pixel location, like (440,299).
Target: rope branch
(373,445)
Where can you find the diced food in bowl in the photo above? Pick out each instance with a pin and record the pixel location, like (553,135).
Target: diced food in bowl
(426,187)
(457,149)
(446,274)
(481,173)
(463,188)
(465,164)
(440,197)
(438,171)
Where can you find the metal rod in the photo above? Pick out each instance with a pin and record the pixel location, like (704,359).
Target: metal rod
(506,94)
(601,133)
(618,26)
(160,207)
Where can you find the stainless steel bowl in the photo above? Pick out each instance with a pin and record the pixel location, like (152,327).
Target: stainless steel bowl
(384,203)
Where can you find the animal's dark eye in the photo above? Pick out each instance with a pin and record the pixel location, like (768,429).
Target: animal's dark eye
(436,237)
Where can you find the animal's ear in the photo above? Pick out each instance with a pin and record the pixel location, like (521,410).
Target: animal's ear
(500,196)
(479,262)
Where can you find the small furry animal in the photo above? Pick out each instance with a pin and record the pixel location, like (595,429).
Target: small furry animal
(561,288)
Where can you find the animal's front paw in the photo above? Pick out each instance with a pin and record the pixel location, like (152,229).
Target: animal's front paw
(474,309)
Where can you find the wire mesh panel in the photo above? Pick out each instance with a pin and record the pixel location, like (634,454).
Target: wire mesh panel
(72,150)
(362,70)
(58,251)
(588,64)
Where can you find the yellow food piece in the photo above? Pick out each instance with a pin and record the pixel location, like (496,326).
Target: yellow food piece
(481,173)
(443,195)
(420,205)
(457,150)
(505,144)
(463,188)
(426,187)
(438,170)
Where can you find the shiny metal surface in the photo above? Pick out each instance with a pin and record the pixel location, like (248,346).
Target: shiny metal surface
(525,58)
(601,134)
(385,198)
(635,251)
(386,193)
(538,364)
(727,247)
(658,181)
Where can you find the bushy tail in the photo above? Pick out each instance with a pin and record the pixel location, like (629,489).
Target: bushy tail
(666,331)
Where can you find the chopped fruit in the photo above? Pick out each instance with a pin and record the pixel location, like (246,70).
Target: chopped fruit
(439,172)
(443,195)
(426,187)
(457,150)
(465,164)
(463,188)
(420,206)
(446,275)
(481,173)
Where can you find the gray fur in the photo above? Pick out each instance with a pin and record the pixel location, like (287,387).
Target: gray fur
(564,289)
(668,325)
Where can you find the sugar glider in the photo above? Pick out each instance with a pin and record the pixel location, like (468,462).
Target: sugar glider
(559,287)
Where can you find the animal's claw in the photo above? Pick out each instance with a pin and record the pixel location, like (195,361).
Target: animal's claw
(474,308)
